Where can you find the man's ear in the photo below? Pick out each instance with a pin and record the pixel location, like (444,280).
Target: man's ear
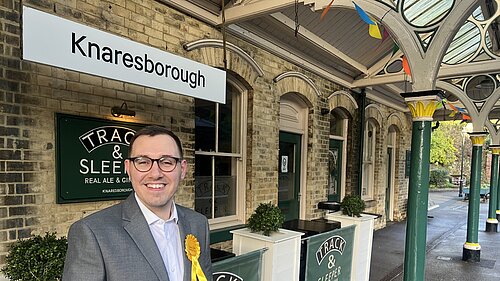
(183,168)
(127,167)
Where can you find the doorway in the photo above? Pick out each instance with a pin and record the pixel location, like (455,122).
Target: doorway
(289,174)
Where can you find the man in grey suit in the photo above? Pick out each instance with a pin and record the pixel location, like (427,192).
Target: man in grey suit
(144,237)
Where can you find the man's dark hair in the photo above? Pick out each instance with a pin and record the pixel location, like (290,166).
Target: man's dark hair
(155,130)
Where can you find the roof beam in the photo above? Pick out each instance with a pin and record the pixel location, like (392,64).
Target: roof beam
(283,52)
(472,68)
(254,9)
(319,42)
(194,10)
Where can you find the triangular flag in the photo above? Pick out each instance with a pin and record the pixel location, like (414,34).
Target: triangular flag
(453,113)
(406,66)
(395,49)
(439,105)
(385,35)
(326,10)
(465,117)
(374,31)
(362,14)
(453,107)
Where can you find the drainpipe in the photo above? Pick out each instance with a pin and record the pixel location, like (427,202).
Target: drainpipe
(362,105)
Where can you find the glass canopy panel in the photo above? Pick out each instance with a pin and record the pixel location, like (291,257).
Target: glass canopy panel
(465,44)
(425,13)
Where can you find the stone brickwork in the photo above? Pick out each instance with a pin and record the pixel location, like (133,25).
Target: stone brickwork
(31,94)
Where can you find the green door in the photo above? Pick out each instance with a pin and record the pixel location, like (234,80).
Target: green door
(334,169)
(289,175)
(389,184)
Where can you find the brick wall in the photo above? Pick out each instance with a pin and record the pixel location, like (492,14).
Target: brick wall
(31,94)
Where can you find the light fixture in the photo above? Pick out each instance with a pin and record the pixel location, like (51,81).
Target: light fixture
(325,111)
(122,110)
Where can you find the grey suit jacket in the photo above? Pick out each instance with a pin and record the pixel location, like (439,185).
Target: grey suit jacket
(116,244)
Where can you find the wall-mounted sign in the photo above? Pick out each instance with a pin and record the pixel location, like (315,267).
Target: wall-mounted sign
(284,164)
(52,40)
(90,156)
(329,255)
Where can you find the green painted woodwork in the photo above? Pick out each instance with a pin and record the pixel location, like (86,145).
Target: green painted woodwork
(416,227)
(493,187)
(474,194)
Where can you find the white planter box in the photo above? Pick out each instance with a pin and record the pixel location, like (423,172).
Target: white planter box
(363,238)
(282,259)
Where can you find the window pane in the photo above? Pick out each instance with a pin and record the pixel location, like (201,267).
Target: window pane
(203,185)
(225,186)
(205,125)
(229,121)
(336,125)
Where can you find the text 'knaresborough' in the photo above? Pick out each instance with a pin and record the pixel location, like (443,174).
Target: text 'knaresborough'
(92,50)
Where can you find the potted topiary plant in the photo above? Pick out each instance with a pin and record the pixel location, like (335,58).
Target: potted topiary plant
(281,261)
(36,258)
(352,205)
(267,218)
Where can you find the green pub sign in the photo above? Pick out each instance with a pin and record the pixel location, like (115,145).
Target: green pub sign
(90,154)
(329,255)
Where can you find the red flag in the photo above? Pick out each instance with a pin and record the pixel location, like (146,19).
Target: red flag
(326,10)
(406,66)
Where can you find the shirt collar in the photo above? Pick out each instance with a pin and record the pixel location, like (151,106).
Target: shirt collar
(151,217)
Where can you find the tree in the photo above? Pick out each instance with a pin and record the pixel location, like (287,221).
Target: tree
(443,150)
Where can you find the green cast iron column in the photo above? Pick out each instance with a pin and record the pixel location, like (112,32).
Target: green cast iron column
(492,222)
(422,106)
(498,199)
(472,249)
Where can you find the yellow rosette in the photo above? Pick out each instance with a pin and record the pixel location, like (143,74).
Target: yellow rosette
(193,253)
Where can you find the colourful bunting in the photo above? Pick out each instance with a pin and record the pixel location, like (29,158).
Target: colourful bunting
(374,31)
(385,35)
(456,109)
(362,14)
(326,10)
(406,66)
(395,49)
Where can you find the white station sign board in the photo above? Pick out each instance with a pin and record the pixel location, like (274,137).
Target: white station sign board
(52,40)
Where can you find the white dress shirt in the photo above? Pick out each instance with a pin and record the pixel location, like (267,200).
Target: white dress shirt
(167,238)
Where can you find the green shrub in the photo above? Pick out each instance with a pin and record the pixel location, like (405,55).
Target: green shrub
(352,205)
(36,258)
(439,177)
(267,218)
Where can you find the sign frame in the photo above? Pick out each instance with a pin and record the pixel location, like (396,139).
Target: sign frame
(90,154)
(59,42)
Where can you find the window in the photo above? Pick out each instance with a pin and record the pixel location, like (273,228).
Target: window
(219,155)
(370,139)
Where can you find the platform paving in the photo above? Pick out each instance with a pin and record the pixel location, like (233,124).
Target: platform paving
(446,234)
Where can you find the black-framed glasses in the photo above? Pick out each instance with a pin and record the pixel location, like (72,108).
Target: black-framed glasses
(165,163)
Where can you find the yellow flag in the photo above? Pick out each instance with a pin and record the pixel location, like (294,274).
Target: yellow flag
(374,31)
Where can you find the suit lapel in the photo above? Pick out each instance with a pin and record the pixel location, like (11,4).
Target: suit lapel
(184,230)
(136,226)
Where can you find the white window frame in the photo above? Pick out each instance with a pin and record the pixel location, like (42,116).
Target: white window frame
(369,148)
(240,156)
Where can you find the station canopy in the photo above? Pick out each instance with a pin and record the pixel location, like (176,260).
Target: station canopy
(386,47)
